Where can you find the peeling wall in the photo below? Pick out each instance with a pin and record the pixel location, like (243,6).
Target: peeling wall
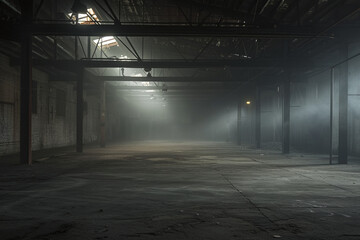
(50,126)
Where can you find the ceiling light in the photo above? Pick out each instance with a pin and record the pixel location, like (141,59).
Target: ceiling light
(248,102)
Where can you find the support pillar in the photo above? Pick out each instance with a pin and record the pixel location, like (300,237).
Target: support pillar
(286,101)
(286,114)
(332,72)
(343,109)
(26,83)
(238,133)
(102,115)
(89,47)
(80,111)
(258,118)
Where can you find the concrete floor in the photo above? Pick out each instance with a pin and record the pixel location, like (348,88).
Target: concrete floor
(171,191)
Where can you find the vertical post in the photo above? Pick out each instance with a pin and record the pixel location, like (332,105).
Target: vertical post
(53,17)
(76,48)
(102,115)
(239,123)
(286,115)
(258,118)
(89,46)
(79,110)
(76,38)
(331,114)
(53,9)
(286,102)
(343,109)
(55,47)
(26,83)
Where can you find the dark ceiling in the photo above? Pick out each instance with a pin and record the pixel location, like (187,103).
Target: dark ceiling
(240,39)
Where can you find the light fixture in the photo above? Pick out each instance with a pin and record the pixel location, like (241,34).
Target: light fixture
(248,102)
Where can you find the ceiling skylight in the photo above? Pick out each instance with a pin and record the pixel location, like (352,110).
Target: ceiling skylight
(107,41)
(89,18)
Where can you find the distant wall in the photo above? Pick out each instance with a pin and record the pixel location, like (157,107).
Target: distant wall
(54,111)
(309,110)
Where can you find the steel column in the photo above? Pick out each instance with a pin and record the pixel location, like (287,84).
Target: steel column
(258,118)
(102,115)
(286,100)
(79,111)
(331,115)
(89,47)
(238,133)
(26,83)
(343,109)
(286,114)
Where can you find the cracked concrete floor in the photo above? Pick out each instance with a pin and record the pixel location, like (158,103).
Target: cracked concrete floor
(157,190)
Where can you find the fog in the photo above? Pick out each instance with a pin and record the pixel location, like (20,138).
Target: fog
(180,118)
(193,114)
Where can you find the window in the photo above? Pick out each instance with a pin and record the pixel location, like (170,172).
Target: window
(34,97)
(60,103)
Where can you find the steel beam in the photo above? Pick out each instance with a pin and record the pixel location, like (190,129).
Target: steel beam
(343,108)
(286,100)
(159,95)
(238,130)
(176,88)
(167,79)
(164,63)
(157,30)
(79,110)
(26,84)
(286,114)
(332,78)
(258,118)
(102,138)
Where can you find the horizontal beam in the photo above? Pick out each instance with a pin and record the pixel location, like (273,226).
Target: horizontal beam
(167,31)
(160,95)
(170,63)
(167,79)
(176,63)
(137,89)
